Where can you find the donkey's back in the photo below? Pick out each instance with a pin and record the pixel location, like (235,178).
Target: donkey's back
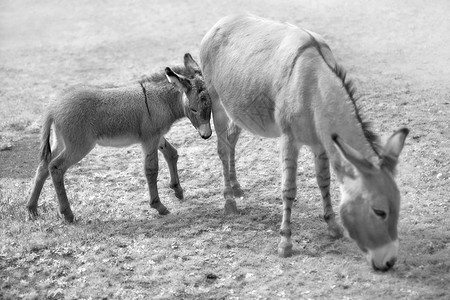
(262,70)
(104,116)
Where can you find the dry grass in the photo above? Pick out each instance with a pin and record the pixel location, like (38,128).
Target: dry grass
(121,249)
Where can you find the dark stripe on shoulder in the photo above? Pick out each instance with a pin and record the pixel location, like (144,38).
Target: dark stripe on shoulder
(299,53)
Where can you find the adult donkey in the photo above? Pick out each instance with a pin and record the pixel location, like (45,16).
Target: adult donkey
(139,113)
(277,80)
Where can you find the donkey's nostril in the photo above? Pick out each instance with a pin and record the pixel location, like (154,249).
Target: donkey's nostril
(391,263)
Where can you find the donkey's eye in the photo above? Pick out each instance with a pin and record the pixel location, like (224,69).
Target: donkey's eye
(380,213)
(193,110)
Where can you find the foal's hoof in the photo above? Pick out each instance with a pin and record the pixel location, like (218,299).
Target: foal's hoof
(230,207)
(32,212)
(285,250)
(162,210)
(178,191)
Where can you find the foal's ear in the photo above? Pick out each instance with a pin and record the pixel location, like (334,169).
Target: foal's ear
(191,64)
(352,157)
(393,148)
(179,80)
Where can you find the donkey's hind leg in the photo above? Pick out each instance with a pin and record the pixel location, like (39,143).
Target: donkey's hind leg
(41,176)
(322,166)
(171,157)
(59,166)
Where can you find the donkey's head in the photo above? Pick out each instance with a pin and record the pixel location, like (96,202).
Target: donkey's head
(196,100)
(370,201)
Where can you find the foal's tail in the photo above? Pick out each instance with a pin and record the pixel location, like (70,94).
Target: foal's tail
(46,151)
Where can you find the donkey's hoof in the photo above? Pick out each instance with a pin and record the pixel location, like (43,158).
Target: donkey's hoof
(335,231)
(284,250)
(179,193)
(237,191)
(32,212)
(162,210)
(230,207)
(69,218)
(178,190)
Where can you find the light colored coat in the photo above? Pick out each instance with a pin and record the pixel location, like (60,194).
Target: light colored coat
(277,80)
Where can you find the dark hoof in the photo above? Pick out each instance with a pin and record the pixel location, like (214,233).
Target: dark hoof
(237,191)
(179,193)
(230,207)
(162,210)
(69,218)
(178,190)
(32,212)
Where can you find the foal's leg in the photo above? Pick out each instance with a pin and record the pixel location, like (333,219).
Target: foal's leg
(171,156)
(289,156)
(151,172)
(224,149)
(233,136)
(59,166)
(41,176)
(322,165)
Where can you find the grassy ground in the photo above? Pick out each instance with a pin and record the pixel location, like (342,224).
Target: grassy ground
(121,249)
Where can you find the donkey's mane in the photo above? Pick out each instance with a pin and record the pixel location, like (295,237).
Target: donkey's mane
(160,76)
(349,87)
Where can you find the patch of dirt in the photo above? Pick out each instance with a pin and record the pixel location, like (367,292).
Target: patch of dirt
(21,160)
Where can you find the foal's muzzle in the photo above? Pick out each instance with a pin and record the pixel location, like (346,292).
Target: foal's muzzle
(205,130)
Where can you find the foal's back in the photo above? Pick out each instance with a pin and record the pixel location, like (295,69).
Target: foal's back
(102,114)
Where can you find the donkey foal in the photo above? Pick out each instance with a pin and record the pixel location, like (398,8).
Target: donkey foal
(121,116)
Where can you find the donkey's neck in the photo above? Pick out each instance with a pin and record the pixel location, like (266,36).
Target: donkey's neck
(175,105)
(338,114)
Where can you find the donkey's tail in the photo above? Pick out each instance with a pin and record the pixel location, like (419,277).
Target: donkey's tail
(46,151)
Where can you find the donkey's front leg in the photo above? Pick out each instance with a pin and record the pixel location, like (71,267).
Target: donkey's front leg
(171,157)
(233,136)
(151,172)
(223,149)
(289,156)
(322,165)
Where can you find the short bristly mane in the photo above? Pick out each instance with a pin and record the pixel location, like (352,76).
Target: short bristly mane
(349,87)
(160,76)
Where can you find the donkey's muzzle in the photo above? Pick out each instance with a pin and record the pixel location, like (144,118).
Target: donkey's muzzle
(384,258)
(205,130)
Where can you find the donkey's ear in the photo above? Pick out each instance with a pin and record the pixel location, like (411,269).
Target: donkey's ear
(191,64)
(352,157)
(393,148)
(396,142)
(179,80)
